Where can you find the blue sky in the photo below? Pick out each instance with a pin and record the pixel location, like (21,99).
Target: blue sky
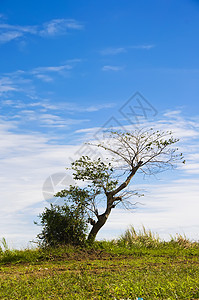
(69,69)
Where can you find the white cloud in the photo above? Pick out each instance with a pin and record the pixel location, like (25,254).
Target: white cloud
(119,50)
(77,108)
(97,107)
(9,36)
(38,72)
(41,118)
(43,77)
(73,60)
(113,51)
(145,47)
(52,69)
(23,81)
(192,164)
(12,32)
(50,120)
(59,26)
(44,105)
(26,161)
(6,85)
(52,28)
(112,68)
(72,107)
(172,113)
(16,85)
(28,29)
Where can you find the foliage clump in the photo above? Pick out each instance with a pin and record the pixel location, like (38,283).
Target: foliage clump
(62,225)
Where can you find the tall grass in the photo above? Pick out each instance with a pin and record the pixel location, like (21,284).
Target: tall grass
(182,241)
(4,244)
(146,238)
(140,238)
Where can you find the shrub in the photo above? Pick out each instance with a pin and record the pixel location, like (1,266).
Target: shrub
(62,225)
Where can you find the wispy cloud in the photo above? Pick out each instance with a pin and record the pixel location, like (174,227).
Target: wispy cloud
(59,27)
(43,109)
(34,157)
(42,113)
(119,50)
(43,77)
(6,37)
(6,85)
(51,120)
(43,104)
(23,80)
(112,68)
(28,29)
(52,69)
(145,47)
(113,51)
(52,28)
(96,107)
(11,32)
(43,72)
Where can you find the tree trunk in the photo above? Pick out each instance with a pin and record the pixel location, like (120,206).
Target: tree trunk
(110,200)
(98,225)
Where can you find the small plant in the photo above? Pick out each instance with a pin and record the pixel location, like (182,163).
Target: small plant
(62,225)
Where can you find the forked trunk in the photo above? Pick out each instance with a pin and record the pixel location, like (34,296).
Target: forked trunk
(110,201)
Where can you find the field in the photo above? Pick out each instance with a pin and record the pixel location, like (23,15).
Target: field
(107,270)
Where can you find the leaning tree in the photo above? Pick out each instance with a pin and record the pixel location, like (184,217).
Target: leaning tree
(105,183)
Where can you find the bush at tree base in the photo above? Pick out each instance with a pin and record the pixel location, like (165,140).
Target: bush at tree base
(62,225)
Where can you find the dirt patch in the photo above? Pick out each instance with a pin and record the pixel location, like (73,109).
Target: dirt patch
(84,254)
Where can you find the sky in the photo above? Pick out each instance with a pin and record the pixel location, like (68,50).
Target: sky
(69,70)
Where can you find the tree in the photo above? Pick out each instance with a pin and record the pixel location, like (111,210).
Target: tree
(146,151)
(62,225)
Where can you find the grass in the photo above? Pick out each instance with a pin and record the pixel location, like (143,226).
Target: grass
(138,264)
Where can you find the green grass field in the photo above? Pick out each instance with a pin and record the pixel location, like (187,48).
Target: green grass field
(107,270)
